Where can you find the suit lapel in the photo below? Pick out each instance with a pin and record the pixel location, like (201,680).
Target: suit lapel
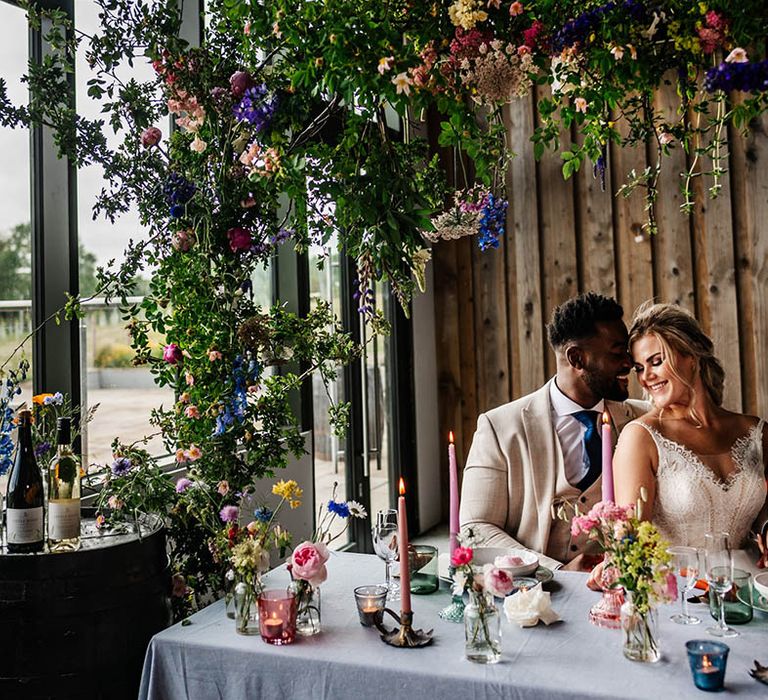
(545,458)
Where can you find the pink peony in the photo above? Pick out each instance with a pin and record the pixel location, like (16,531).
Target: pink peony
(462,556)
(172,353)
(308,562)
(239,239)
(497,581)
(151,137)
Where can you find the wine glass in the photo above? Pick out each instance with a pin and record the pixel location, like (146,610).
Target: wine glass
(384,534)
(686,563)
(719,566)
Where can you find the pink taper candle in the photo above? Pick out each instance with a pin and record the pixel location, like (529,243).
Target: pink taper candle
(607,458)
(453,482)
(402,541)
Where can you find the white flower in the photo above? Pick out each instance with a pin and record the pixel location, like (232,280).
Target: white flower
(356,510)
(402,83)
(580,104)
(738,55)
(459,582)
(617,52)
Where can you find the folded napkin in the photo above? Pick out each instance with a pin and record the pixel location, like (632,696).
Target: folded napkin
(527,607)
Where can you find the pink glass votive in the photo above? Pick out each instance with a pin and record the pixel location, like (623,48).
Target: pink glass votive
(277,616)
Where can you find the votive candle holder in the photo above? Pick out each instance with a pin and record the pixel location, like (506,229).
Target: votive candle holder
(277,616)
(370,601)
(708,660)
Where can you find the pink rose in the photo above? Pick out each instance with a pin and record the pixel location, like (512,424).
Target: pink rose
(151,137)
(462,556)
(497,581)
(308,562)
(172,353)
(239,239)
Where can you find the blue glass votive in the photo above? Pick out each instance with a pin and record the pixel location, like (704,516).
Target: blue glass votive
(707,660)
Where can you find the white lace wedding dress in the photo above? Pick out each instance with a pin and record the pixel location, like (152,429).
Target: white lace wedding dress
(691,501)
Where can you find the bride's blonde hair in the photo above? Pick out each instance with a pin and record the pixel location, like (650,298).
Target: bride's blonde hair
(678,330)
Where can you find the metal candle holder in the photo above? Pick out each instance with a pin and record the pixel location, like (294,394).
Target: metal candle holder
(403,636)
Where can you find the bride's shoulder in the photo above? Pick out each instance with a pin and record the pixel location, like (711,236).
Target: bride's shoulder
(640,431)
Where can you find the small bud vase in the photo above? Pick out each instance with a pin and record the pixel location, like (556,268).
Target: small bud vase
(246,608)
(639,624)
(482,629)
(308,616)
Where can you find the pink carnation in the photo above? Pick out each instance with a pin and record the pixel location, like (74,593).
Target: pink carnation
(583,524)
(462,556)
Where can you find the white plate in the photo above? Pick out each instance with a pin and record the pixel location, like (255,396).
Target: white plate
(761,583)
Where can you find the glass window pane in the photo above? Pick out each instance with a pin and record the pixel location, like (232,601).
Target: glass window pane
(15,199)
(126,394)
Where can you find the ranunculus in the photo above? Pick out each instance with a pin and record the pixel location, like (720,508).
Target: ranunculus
(462,556)
(308,562)
(497,581)
(239,82)
(151,137)
(239,239)
(172,353)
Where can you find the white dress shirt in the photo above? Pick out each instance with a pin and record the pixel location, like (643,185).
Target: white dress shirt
(570,432)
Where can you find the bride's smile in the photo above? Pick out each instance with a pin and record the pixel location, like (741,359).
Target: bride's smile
(667,381)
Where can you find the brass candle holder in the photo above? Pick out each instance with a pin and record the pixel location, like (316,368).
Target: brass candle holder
(404,635)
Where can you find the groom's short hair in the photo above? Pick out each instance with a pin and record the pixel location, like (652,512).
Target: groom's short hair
(576,318)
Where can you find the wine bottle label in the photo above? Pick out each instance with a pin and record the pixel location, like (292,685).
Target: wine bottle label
(64,519)
(24,525)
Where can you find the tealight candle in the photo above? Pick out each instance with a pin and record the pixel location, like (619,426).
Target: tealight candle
(370,602)
(708,660)
(277,617)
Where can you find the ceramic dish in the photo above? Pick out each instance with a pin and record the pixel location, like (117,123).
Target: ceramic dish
(492,555)
(761,583)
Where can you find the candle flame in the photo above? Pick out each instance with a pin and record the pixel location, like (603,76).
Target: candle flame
(274,615)
(606,418)
(705,662)
(402,487)
(450,437)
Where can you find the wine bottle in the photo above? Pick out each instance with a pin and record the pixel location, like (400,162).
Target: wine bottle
(64,493)
(24,498)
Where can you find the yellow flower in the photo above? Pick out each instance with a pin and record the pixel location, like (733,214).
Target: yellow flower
(290,491)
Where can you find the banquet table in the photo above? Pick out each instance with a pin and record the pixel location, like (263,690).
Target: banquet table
(568,659)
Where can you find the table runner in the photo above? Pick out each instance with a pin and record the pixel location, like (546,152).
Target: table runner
(570,659)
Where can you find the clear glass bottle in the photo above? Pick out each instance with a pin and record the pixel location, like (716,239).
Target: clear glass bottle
(24,515)
(640,626)
(64,493)
(482,629)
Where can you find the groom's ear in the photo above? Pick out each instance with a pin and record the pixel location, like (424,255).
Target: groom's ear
(575,356)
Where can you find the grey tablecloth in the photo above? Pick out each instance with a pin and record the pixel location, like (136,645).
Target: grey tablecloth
(571,659)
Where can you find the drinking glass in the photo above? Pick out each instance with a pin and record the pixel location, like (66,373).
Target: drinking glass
(385,544)
(686,563)
(719,566)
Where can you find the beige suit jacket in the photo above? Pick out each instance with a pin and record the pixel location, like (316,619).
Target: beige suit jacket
(511,471)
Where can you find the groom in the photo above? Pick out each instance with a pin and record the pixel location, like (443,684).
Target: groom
(545,448)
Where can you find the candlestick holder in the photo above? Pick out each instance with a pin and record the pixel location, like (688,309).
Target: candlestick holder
(403,636)
(454,611)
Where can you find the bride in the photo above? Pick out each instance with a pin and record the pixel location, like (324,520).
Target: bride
(703,467)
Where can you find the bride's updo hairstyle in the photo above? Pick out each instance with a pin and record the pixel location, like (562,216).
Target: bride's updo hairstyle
(678,330)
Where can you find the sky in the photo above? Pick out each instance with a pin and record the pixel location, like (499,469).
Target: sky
(104,239)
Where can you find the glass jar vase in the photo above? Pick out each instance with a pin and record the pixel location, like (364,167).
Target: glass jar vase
(229,593)
(308,610)
(639,624)
(246,608)
(482,629)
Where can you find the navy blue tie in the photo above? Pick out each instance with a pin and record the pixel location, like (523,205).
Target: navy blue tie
(593,448)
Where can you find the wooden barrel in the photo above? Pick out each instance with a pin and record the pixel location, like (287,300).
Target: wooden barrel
(77,624)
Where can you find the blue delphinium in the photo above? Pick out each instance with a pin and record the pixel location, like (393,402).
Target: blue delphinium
(746,77)
(178,191)
(492,222)
(244,373)
(340,509)
(10,388)
(576,31)
(255,107)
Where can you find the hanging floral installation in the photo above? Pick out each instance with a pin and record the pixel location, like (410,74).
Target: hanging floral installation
(283,135)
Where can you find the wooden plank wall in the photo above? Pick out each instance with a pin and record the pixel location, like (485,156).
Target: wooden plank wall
(564,237)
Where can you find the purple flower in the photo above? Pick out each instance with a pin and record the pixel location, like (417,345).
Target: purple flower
(183,484)
(121,466)
(255,108)
(229,514)
(42,449)
(172,354)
